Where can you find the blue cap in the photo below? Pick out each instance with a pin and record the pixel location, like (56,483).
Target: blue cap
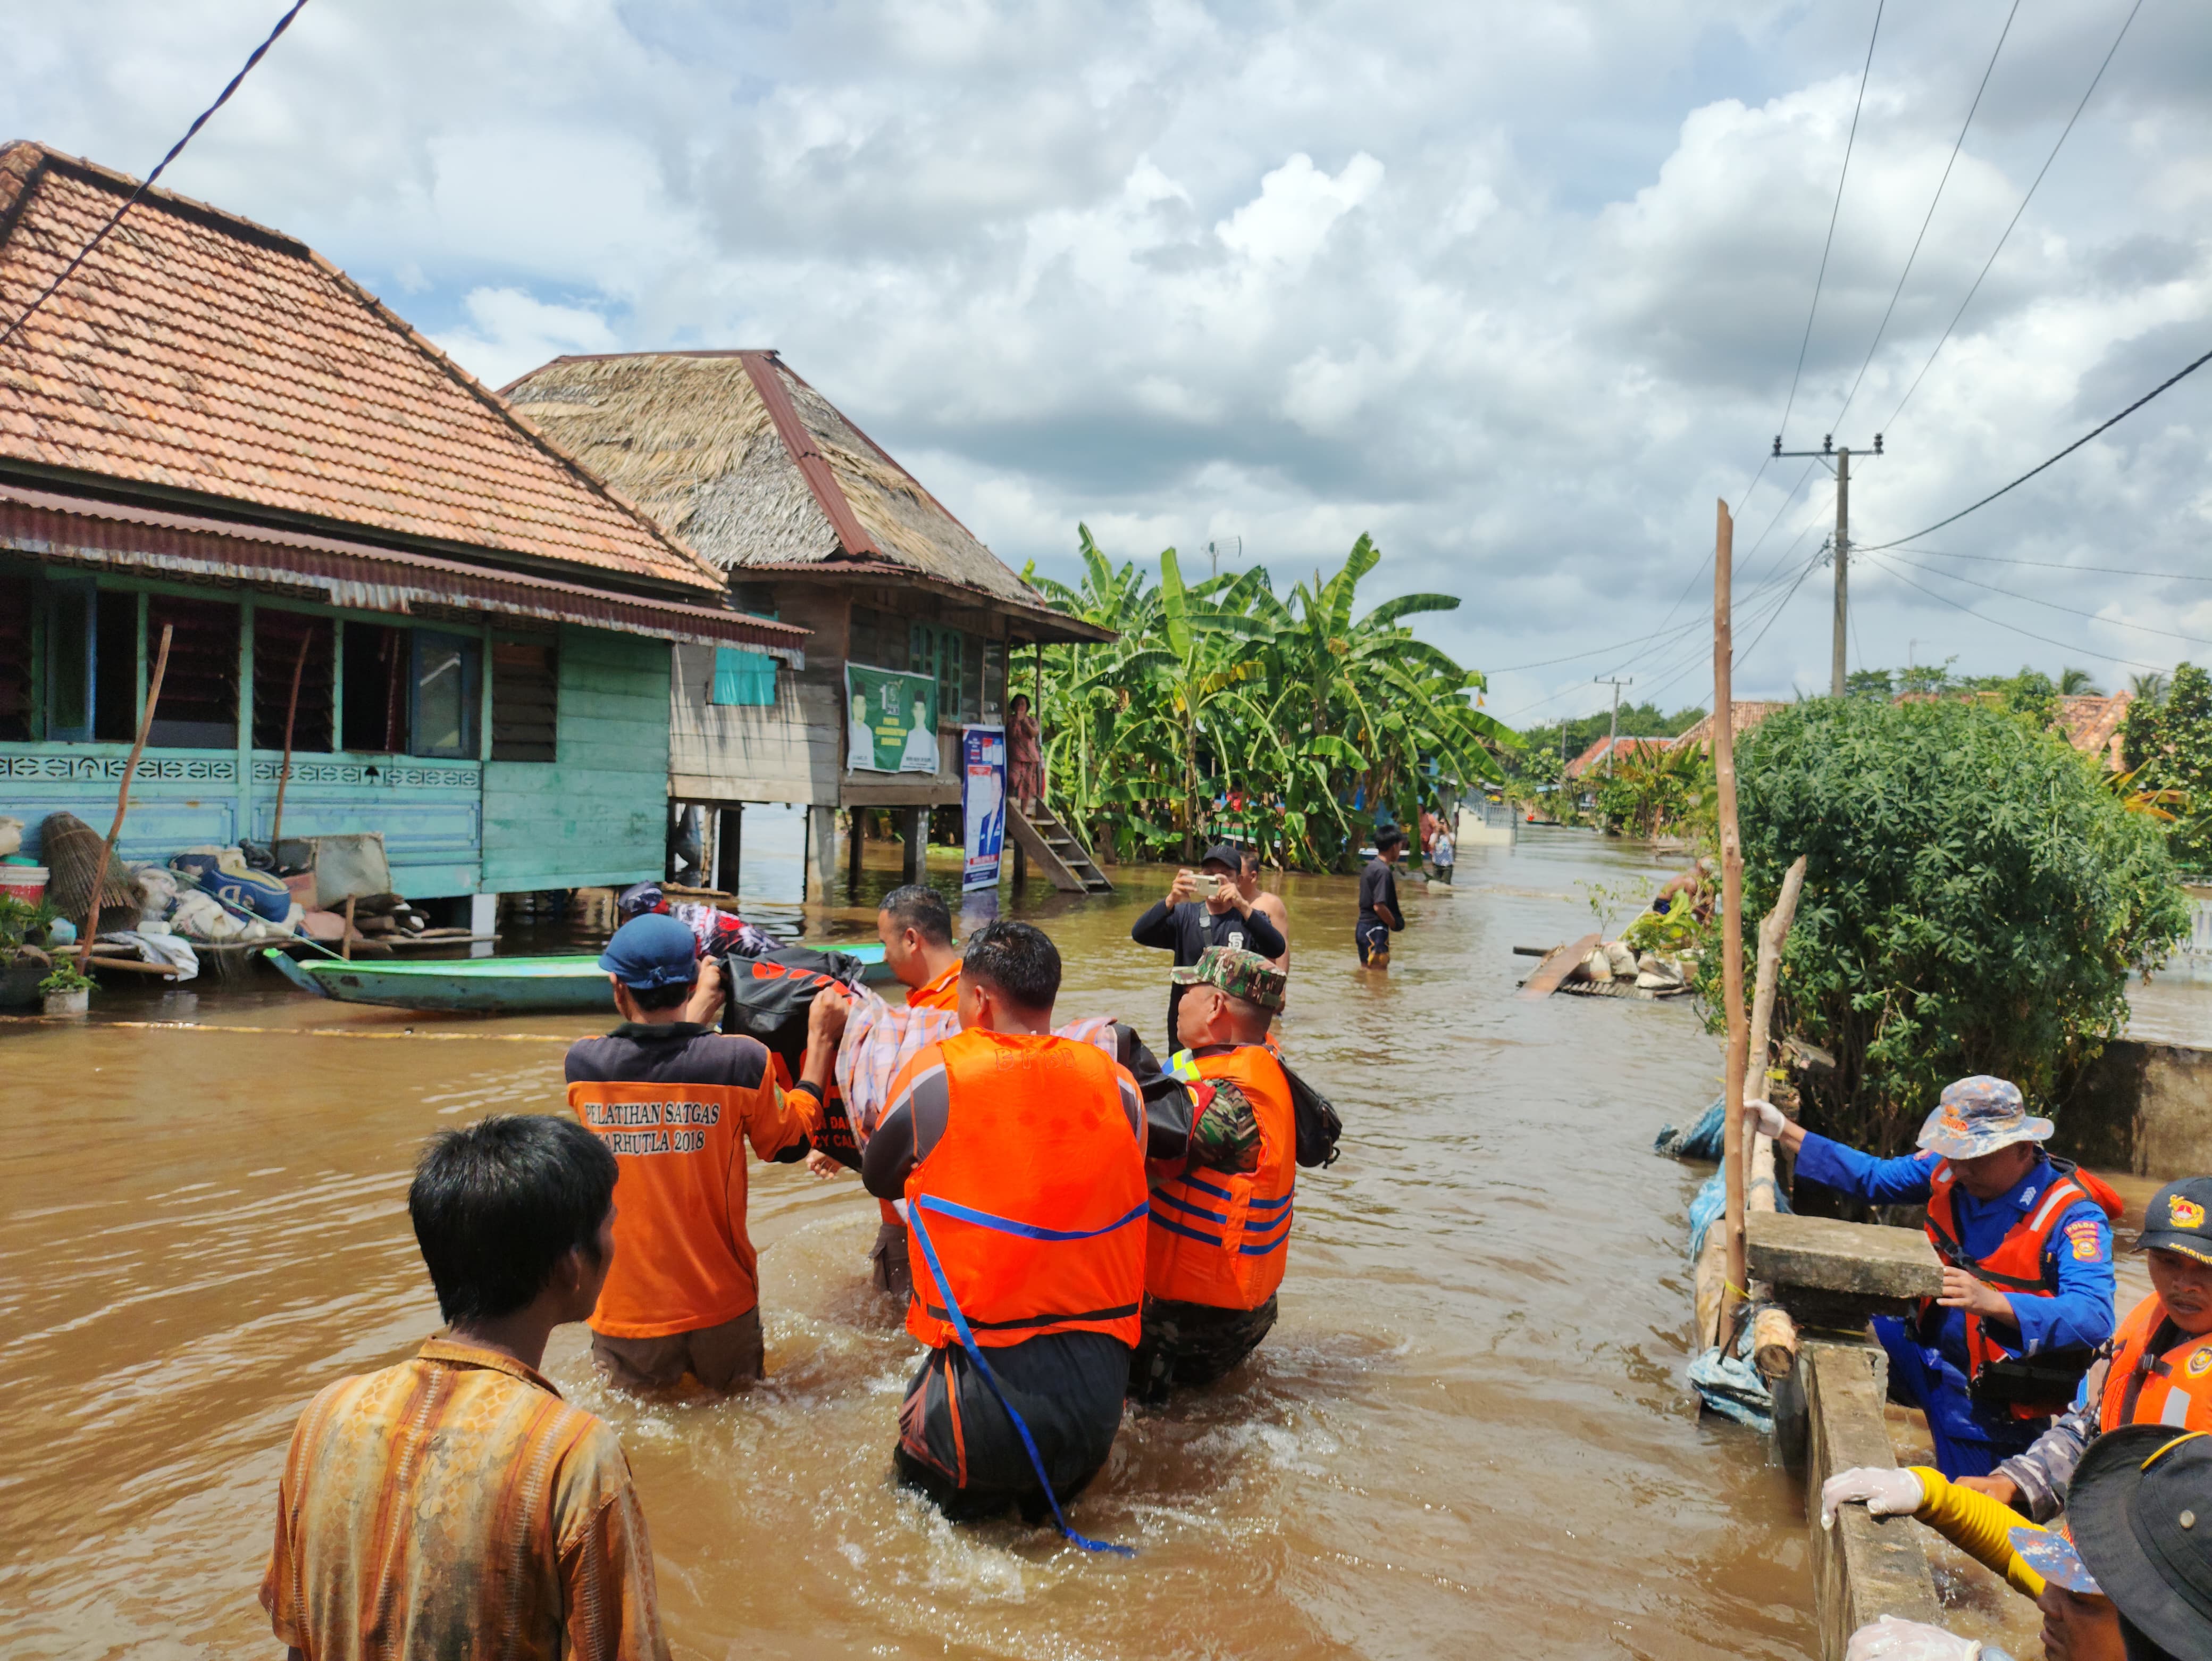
(652,950)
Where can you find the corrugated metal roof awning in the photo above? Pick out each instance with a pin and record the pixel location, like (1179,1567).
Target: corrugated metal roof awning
(84,531)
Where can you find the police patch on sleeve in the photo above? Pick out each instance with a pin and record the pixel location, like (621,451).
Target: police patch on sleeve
(2082,1237)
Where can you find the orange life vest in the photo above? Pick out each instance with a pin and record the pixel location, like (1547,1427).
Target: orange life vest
(1222,1238)
(1031,1199)
(2168,1386)
(2033,1387)
(942,992)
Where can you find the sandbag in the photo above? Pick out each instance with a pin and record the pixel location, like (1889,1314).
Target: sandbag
(72,850)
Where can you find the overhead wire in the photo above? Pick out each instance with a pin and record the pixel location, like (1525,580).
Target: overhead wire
(2051,605)
(147,183)
(2062,565)
(1821,276)
(2171,380)
(2048,640)
(1929,218)
(2014,221)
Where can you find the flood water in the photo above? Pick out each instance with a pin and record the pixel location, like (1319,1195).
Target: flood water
(1468,1434)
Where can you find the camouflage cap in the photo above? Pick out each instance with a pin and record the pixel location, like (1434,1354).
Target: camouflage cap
(1978,1116)
(1245,975)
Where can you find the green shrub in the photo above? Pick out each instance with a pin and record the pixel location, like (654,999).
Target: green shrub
(1974,902)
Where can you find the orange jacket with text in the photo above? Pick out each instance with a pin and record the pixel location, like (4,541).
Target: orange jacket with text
(1222,1238)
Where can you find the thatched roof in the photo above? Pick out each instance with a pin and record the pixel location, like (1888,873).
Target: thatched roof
(735,455)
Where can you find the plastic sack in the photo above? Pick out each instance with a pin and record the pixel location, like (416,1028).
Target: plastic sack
(157,891)
(226,878)
(1701,1140)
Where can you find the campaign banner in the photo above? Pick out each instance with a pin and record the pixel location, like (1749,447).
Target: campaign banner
(890,721)
(982,805)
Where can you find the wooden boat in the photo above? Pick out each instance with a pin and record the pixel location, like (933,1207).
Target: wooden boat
(492,986)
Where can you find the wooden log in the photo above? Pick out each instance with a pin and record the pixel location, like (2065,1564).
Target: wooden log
(347,939)
(1773,1343)
(122,799)
(1739,1034)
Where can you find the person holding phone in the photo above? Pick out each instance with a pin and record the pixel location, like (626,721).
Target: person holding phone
(1203,909)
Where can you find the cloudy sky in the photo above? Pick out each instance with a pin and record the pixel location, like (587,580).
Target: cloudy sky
(1520,289)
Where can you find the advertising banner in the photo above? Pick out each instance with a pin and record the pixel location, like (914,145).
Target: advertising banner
(982,804)
(890,721)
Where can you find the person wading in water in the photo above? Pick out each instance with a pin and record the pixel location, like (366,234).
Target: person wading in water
(1218,1240)
(1380,913)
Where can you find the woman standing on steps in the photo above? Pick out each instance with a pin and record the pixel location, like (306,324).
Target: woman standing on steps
(1024,755)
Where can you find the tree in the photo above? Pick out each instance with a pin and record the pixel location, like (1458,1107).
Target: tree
(2150,687)
(1974,902)
(2075,683)
(1869,684)
(1654,790)
(2167,748)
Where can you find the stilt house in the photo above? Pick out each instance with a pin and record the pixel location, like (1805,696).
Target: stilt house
(735,455)
(208,428)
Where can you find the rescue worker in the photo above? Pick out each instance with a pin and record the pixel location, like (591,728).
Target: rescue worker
(1216,1241)
(2027,1277)
(916,926)
(1205,908)
(2157,1371)
(675,1102)
(1018,1158)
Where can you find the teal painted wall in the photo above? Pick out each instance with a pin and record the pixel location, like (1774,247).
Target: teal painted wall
(599,814)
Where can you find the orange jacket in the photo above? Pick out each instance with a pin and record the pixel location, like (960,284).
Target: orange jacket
(2169,1386)
(942,992)
(2015,1266)
(1031,1197)
(1220,1237)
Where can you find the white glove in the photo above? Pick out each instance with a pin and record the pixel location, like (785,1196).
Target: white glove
(1765,1117)
(1892,1640)
(1886,1493)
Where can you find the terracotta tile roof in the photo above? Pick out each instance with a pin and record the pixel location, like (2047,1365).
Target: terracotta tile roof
(196,352)
(2091,722)
(1625,747)
(1745,714)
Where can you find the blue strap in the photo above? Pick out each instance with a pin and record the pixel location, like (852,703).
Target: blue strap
(982,1366)
(1027,1231)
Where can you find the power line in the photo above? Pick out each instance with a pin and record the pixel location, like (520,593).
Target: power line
(2061,565)
(2064,646)
(1594,651)
(147,183)
(1821,276)
(2053,605)
(1896,292)
(2022,209)
(2172,379)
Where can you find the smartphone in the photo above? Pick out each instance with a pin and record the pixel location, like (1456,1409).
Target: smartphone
(1205,885)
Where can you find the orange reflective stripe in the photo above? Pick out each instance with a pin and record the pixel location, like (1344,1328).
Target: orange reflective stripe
(1037,1194)
(2015,1265)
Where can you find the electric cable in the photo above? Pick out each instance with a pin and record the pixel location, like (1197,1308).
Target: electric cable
(2052,604)
(1897,292)
(147,183)
(2172,380)
(2022,209)
(1849,140)
(2062,645)
(2061,565)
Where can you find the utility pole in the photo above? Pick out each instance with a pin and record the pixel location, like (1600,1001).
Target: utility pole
(1842,459)
(1615,739)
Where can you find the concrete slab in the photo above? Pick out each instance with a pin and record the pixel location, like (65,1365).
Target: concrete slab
(1862,1259)
(1862,1568)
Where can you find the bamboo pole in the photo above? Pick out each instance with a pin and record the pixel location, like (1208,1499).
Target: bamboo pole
(291,712)
(123,801)
(1738,1036)
(1773,1334)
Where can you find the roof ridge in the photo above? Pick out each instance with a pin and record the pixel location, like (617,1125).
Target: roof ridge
(190,206)
(798,441)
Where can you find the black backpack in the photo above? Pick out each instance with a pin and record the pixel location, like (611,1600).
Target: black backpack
(1319,1126)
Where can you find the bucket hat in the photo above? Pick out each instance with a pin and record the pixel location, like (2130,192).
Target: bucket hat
(1978,1116)
(2141,1506)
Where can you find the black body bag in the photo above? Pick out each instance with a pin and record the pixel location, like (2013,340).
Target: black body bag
(767,997)
(1319,1126)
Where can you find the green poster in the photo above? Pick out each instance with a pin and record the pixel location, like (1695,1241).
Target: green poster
(890,721)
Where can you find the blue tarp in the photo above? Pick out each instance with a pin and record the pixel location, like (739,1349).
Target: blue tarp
(1701,1140)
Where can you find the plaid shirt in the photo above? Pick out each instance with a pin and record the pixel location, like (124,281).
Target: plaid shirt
(454,1505)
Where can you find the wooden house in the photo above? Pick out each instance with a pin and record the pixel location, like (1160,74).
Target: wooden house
(208,428)
(813,523)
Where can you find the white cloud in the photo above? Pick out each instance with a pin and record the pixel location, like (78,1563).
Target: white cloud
(510,332)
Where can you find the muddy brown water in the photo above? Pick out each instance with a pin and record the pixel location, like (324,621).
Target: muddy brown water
(1468,1435)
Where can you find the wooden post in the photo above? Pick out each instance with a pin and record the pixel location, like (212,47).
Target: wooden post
(853,844)
(729,844)
(1739,1035)
(123,801)
(291,711)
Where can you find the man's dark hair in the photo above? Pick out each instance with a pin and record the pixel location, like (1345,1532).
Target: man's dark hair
(498,1203)
(1018,959)
(1388,838)
(1251,861)
(922,909)
(651,998)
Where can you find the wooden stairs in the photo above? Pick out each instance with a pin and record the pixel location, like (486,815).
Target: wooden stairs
(1059,853)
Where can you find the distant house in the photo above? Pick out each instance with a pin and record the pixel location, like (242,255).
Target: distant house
(1593,760)
(209,429)
(2092,721)
(1745,713)
(813,522)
